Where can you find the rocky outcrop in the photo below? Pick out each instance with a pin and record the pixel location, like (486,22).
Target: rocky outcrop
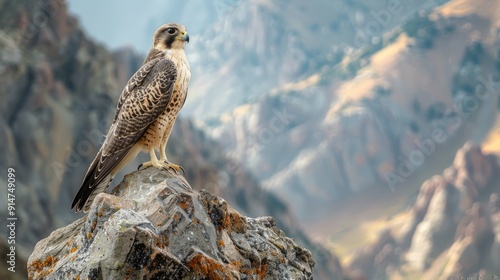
(154,226)
(453,229)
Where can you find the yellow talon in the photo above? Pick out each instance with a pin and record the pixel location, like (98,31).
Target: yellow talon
(162,166)
(147,164)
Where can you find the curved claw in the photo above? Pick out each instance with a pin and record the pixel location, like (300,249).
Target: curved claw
(175,167)
(183,172)
(140,166)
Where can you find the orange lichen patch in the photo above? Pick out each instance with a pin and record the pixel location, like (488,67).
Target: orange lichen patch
(176,218)
(236,265)
(159,224)
(161,241)
(48,262)
(94,225)
(220,243)
(43,268)
(73,249)
(238,223)
(183,204)
(99,214)
(260,271)
(77,277)
(116,207)
(165,241)
(226,221)
(89,235)
(209,268)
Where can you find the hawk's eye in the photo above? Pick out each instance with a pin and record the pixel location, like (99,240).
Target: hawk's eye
(171,31)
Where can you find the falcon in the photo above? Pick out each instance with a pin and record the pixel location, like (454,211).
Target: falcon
(145,114)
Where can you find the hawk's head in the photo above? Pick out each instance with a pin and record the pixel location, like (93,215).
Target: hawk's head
(170,36)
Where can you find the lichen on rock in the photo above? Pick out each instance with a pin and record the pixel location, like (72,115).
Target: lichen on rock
(154,226)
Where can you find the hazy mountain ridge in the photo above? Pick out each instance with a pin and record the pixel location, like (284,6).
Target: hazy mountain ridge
(261,45)
(451,232)
(351,126)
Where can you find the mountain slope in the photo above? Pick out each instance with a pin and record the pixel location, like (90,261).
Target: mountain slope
(262,45)
(350,127)
(450,232)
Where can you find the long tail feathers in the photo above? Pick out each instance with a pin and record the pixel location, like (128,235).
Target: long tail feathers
(89,190)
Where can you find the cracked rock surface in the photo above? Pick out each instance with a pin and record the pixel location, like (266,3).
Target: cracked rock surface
(154,226)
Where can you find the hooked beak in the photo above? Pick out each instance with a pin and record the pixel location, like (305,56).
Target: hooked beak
(183,37)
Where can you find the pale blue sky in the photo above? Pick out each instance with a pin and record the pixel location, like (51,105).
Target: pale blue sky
(119,23)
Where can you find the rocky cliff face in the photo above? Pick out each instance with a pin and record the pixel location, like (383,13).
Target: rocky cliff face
(350,125)
(154,226)
(56,91)
(257,46)
(451,232)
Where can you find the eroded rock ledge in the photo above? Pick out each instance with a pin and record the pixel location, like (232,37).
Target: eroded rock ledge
(154,226)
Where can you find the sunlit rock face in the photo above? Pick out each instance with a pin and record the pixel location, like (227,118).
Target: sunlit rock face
(453,229)
(316,123)
(154,226)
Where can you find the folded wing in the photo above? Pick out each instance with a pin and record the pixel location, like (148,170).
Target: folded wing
(142,101)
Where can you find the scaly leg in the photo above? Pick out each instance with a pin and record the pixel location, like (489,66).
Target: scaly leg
(153,162)
(163,155)
(166,163)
